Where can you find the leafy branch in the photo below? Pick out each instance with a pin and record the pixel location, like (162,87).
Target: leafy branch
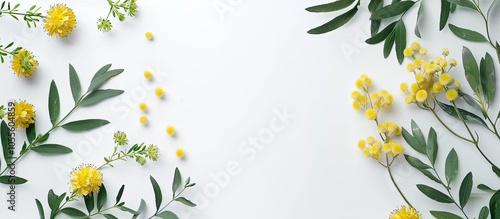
(31,16)
(4,51)
(117,9)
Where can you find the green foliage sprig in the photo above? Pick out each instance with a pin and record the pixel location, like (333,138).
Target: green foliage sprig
(118,9)
(31,16)
(4,51)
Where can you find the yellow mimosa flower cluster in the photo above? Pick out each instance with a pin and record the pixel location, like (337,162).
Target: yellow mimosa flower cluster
(431,76)
(405,213)
(369,102)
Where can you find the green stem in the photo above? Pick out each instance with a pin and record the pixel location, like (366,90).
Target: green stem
(449,192)
(394,181)
(170,202)
(448,128)
(100,212)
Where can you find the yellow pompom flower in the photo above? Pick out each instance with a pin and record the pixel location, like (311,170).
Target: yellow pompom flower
(143,120)
(443,63)
(453,62)
(159,92)
(410,67)
(437,87)
(23,63)
(386,148)
(457,84)
(24,115)
(445,51)
(408,52)
(179,152)
(397,148)
(445,79)
(403,87)
(170,130)
(415,46)
(370,140)
(371,114)
(451,94)
(405,213)
(418,63)
(363,82)
(382,128)
(422,51)
(142,106)
(421,95)
(410,99)
(148,35)
(413,88)
(60,20)
(85,180)
(356,105)
(147,74)
(361,144)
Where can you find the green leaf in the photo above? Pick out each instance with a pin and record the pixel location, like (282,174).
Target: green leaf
(54,105)
(333,6)
(451,166)
(420,14)
(416,163)
(102,78)
(417,134)
(44,138)
(464,3)
(484,213)
(374,5)
(39,206)
(12,180)
(382,35)
(453,7)
(74,82)
(120,193)
(445,13)
(100,72)
(185,201)
(495,205)
(73,212)
(496,170)
(98,96)
(471,69)
(4,134)
(52,149)
(413,142)
(141,208)
(126,209)
(336,22)
(392,10)
(444,215)
(497,47)
(388,44)
(430,175)
(432,146)
(400,40)
(89,202)
(465,190)
(31,133)
(466,115)
(485,188)
(84,125)
(177,181)
(467,34)
(167,215)
(157,191)
(52,199)
(109,216)
(434,194)
(488,78)
(101,197)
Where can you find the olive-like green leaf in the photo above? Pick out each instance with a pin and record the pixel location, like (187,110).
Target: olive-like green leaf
(497,47)
(464,3)
(434,194)
(445,13)
(374,5)
(375,24)
(39,206)
(176,183)
(382,35)
(120,193)
(488,78)
(31,133)
(471,70)
(101,197)
(400,40)
(84,125)
(43,138)
(374,27)
(430,175)
(141,208)
(333,6)
(416,163)
(469,100)
(185,201)
(466,115)
(99,80)
(52,199)
(89,202)
(485,188)
(495,205)
(388,44)
(52,149)
(335,23)
(496,170)
(451,166)
(467,34)
(167,215)
(484,213)
(453,7)
(413,142)
(444,215)
(420,14)
(419,136)
(12,180)
(109,216)
(4,134)
(126,209)
(465,189)
(73,212)
(100,72)
(74,82)
(432,146)
(98,96)
(157,191)
(392,10)
(54,104)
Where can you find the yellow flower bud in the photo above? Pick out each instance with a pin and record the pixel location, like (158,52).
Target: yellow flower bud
(453,62)
(403,87)
(371,114)
(421,95)
(408,52)
(437,87)
(148,35)
(415,46)
(451,94)
(422,51)
(445,79)
(445,51)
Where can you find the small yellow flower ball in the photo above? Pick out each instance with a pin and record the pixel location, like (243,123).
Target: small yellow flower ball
(453,62)
(415,46)
(403,87)
(371,114)
(142,106)
(355,95)
(386,148)
(148,35)
(417,62)
(443,63)
(361,144)
(408,52)
(451,94)
(147,74)
(457,84)
(431,68)
(410,67)
(445,79)
(159,92)
(382,128)
(356,105)
(419,78)
(445,51)
(421,95)
(437,87)
(179,152)
(413,88)
(397,148)
(422,51)
(143,120)
(170,130)
(410,99)
(370,140)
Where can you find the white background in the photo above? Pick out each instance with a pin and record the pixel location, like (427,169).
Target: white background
(225,75)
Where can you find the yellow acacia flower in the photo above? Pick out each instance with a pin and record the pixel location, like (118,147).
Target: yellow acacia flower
(397,148)
(170,130)
(415,46)
(179,152)
(147,74)
(457,84)
(437,87)
(24,115)
(445,51)
(85,180)
(453,62)
(422,51)
(371,114)
(445,79)
(363,82)
(361,144)
(405,213)
(143,120)
(451,94)
(403,87)
(159,92)
(421,95)
(408,52)
(60,20)
(142,106)
(411,67)
(386,148)
(23,63)
(148,35)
